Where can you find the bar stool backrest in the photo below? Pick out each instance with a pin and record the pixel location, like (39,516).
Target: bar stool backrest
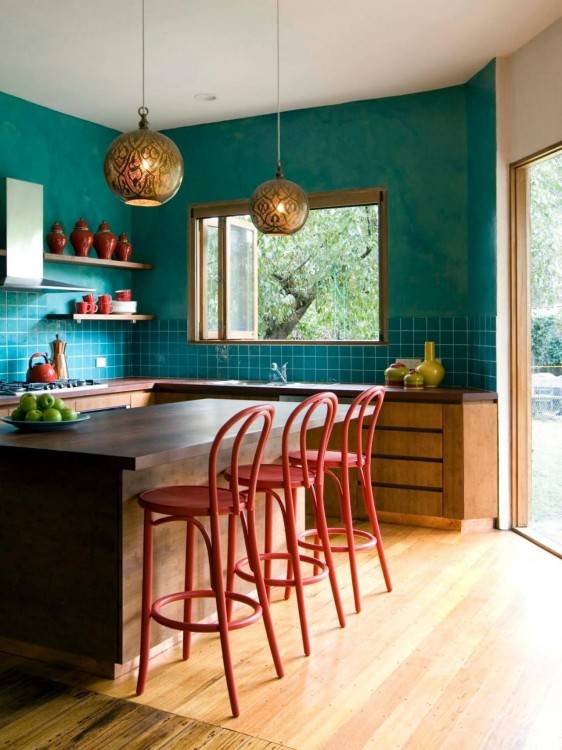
(245,418)
(307,409)
(366,423)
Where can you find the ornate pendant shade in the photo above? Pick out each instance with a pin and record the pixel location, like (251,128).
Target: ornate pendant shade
(143,167)
(279,206)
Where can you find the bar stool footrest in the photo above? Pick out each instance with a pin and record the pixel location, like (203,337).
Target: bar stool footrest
(283,582)
(204,627)
(370,542)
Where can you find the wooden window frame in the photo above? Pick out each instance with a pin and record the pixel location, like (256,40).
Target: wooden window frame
(224,209)
(520,350)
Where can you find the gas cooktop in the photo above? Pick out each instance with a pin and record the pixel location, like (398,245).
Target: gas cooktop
(60,386)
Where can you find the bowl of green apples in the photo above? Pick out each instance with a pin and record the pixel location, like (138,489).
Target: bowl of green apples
(43,413)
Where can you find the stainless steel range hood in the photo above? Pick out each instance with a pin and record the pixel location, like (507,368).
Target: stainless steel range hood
(21,229)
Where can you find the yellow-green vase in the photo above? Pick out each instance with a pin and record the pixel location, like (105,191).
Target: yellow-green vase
(432,370)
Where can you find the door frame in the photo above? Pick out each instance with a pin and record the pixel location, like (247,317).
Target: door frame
(520,350)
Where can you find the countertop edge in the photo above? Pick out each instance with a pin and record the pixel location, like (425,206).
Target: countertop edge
(342,390)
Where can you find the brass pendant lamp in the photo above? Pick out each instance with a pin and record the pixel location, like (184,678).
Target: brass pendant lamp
(278,206)
(143,167)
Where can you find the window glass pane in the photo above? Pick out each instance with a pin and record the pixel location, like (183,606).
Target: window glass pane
(210,257)
(322,283)
(241,277)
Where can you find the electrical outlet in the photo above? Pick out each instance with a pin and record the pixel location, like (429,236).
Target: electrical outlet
(101,361)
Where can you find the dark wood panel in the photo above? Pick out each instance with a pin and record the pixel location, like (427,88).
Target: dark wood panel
(59,556)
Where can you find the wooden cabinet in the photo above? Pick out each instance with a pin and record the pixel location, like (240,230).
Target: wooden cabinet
(432,465)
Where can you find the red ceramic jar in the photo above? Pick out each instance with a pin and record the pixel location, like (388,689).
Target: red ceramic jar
(104,241)
(124,247)
(81,238)
(56,239)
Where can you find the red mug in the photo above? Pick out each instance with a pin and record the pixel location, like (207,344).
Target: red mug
(104,299)
(123,295)
(82,308)
(104,308)
(89,298)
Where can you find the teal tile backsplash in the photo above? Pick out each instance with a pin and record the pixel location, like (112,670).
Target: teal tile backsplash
(466,346)
(160,349)
(25,330)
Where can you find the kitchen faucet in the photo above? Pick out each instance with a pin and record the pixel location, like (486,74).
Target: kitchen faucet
(279,372)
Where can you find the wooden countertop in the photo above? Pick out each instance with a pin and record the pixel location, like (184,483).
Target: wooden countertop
(140,438)
(250,388)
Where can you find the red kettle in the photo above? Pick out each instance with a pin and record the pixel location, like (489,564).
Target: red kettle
(40,373)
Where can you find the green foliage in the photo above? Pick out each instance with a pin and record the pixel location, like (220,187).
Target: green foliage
(322,282)
(546,340)
(546,233)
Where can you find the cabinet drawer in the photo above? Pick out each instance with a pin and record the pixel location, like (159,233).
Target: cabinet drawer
(410,473)
(418,502)
(428,416)
(415,444)
(102,402)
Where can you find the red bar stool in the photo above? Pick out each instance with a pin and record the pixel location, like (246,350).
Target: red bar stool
(342,461)
(187,504)
(274,477)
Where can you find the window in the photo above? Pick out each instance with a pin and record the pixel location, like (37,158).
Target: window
(325,283)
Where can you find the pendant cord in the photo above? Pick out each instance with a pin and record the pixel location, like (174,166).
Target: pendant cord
(143,106)
(278,96)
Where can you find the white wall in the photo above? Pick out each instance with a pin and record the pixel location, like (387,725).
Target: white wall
(535,94)
(529,119)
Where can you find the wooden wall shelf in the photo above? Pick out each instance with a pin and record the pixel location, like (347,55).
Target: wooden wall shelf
(114,317)
(89,261)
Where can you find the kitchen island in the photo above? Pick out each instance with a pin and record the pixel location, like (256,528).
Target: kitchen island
(71,528)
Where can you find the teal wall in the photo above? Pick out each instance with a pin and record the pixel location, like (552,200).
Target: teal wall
(65,155)
(414,145)
(481,181)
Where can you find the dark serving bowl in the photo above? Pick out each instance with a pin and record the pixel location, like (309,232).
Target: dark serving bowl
(44,426)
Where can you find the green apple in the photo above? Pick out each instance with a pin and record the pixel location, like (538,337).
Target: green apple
(52,415)
(68,415)
(59,404)
(18,414)
(45,401)
(28,402)
(33,415)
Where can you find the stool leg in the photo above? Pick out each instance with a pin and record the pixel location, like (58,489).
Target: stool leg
(372,513)
(188,586)
(231,561)
(146,601)
(293,550)
(254,560)
(268,538)
(289,574)
(322,526)
(348,524)
(222,615)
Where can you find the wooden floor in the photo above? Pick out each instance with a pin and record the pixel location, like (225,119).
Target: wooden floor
(466,652)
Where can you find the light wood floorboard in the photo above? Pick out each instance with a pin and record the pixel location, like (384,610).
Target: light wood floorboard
(466,652)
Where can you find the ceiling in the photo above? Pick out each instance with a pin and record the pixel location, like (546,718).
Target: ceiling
(82,57)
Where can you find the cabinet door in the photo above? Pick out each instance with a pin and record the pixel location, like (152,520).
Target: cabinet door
(103,402)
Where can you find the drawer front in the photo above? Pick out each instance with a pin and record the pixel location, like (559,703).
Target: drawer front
(417,502)
(425,416)
(102,402)
(414,444)
(409,473)
(5,411)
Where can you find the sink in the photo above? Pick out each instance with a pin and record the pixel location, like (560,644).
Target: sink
(266,383)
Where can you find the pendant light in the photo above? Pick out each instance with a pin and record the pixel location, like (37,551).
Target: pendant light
(278,206)
(143,167)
